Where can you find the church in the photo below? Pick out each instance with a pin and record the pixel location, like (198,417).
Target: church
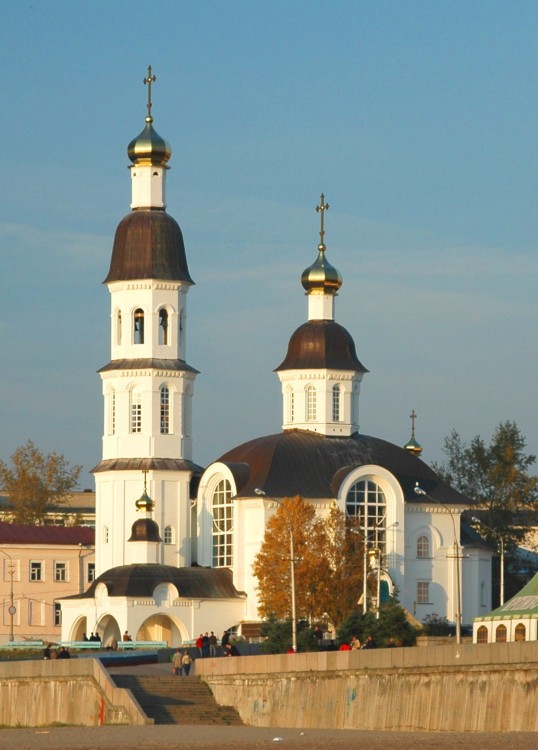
(175,543)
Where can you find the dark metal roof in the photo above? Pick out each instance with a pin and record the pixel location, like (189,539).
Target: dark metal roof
(148,363)
(14,533)
(298,462)
(321,344)
(148,245)
(147,464)
(145,530)
(141,581)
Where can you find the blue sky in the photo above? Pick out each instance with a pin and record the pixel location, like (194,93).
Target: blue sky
(419,122)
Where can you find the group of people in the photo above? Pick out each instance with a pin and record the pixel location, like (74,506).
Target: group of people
(54,653)
(355,644)
(94,637)
(207,645)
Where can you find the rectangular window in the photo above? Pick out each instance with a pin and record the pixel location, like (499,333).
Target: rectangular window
(91,572)
(423,592)
(57,613)
(60,571)
(36,570)
(136,412)
(336,403)
(35,612)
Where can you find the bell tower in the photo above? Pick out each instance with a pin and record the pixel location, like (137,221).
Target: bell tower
(147,384)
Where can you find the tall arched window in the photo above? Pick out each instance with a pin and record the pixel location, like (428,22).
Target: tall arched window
(163,327)
(423,546)
(165,410)
(336,403)
(118,328)
(500,634)
(366,501)
(222,511)
(139,326)
(311,406)
(136,411)
(291,403)
(168,535)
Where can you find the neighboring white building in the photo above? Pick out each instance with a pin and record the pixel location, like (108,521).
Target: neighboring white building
(170,564)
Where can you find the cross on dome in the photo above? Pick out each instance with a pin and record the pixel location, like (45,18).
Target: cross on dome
(148,81)
(321,209)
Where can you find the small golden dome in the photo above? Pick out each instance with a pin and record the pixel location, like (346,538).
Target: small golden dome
(149,147)
(321,277)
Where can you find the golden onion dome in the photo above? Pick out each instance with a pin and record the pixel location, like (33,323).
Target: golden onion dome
(321,277)
(413,446)
(149,147)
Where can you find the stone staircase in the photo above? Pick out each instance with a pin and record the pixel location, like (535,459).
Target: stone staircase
(177,700)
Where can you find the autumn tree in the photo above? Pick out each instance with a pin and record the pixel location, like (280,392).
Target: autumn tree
(342,576)
(36,480)
(328,564)
(272,565)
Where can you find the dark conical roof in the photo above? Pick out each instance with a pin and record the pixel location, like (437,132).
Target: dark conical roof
(148,245)
(321,344)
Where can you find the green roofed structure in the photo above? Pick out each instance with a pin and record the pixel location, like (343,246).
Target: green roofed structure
(517,620)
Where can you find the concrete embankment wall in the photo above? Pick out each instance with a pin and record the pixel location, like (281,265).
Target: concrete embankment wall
(63,691)
(475,688)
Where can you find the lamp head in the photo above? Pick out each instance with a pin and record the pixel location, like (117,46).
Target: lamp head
(258,491)
(419,490)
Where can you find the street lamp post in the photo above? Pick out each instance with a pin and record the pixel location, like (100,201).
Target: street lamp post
(292,569)
(501,540)
(420,491)
(11,609)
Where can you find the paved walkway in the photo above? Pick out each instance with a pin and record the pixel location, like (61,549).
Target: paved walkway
(250,738)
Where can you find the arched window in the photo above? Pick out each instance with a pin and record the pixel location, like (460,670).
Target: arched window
(222,511)
(112,406)
(105,534)
(168,535)
(520,632)
(136,411)
(291,403)
(138,326)
(311,406)
(500,634)
(118,328)
(336,403)
(165,410)
(163,327)
(366,501)
(423,546)
(482,634)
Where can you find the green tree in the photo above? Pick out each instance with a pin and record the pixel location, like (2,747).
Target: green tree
(497,478)
(392,628)
(36,480)
(278,639)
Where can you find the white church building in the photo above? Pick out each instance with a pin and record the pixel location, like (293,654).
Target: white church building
(174,543)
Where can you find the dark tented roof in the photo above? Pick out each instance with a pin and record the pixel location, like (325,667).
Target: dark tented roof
(148,363)
(321,344)
(147,464)
(141,581)
(299,462)
(148,245)
(14,533)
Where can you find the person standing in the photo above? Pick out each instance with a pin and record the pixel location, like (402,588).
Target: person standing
(177,663)
(213,643)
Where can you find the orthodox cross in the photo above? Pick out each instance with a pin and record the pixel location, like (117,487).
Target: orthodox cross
(149,80)
(321,209)
(412,417)
(145,473)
